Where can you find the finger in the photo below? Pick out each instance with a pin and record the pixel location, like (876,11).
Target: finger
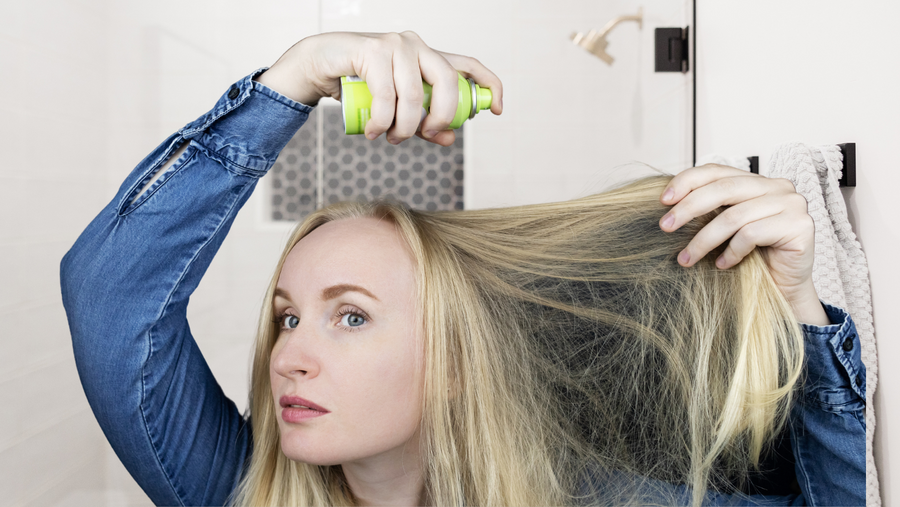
(721,192)
(470,67)
(775,231)
(736,218)
(408,85)
(379,77)
(690,179)
(443,138)
(444,92)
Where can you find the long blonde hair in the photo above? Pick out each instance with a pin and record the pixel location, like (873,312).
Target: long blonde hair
(584,364)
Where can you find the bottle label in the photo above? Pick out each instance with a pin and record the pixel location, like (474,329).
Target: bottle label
(364,114)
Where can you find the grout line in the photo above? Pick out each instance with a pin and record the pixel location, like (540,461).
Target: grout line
(37,430)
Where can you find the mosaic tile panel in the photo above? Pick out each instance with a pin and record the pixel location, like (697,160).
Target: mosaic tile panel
(421,174)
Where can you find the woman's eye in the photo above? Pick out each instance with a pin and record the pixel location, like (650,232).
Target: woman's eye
(290,321)
(353,320)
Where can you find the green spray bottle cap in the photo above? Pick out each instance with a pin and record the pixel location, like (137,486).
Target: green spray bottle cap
(356,102)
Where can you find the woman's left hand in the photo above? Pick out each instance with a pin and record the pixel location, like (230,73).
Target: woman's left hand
(763,212)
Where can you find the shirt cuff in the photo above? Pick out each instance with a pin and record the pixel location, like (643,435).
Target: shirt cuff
(249,126)
(836,374)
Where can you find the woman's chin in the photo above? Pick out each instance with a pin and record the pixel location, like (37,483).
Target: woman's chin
(301,454)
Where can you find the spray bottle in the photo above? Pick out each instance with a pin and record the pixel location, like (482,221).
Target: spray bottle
(356,102)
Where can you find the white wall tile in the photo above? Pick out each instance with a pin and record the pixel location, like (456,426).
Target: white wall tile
(12,201)
(35,399)
(494,190)
(37,463)
(492,152)
(33,335)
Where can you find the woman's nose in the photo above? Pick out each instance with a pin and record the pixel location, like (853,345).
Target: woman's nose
(293,356)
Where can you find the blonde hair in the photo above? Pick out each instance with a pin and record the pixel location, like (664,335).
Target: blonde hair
(585,364)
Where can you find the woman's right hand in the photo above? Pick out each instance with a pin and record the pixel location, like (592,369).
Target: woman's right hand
(393,66)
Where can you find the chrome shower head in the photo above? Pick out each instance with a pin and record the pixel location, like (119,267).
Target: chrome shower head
(595,42)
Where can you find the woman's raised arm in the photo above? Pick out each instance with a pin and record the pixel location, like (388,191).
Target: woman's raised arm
(126,283)
(127,279)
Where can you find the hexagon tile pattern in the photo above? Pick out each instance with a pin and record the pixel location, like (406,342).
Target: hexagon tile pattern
(421,174)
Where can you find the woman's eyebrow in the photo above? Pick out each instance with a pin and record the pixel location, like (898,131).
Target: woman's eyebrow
(330,292)
(336,290)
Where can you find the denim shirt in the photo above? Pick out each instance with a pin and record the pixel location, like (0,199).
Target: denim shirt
(127,279)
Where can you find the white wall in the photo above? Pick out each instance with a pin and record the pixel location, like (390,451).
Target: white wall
(52,133)
(820,72)
(92,86)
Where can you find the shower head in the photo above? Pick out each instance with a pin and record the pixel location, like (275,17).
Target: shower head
(595,42)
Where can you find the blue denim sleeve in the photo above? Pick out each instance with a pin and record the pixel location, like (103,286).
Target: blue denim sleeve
(125,288)
(828,422)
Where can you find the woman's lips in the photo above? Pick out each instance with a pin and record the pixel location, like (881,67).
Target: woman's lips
(296,409)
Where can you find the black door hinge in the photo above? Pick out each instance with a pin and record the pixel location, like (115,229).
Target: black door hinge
(672,49)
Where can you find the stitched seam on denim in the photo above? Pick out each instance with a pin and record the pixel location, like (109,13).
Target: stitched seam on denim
(170,173)
(150,438)
(122,205)
(229,164)
(835,340)
(219,112)
(150,337)
(228,107)
(835,408)
(846,361)
(860,416)
(255,172)
(274,96)
(803,476)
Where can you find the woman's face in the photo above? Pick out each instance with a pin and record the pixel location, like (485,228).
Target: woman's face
(350,343)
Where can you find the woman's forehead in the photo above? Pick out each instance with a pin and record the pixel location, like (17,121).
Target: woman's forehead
(360,251)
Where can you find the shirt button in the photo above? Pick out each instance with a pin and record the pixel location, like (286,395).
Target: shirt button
(858,381)
(848,344)
(234,92)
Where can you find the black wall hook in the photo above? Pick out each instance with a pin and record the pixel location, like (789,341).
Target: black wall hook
(848,175)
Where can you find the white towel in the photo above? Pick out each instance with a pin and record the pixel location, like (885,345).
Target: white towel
(840,271)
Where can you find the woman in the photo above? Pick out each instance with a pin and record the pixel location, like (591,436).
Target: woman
(547,354)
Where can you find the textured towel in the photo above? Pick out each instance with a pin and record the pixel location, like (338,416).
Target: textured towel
(840,271)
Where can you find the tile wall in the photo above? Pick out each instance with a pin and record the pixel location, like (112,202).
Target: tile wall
(53,140)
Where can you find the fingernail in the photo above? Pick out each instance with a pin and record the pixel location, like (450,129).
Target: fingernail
(392,140)
(668,220)
(668,195)
(720,262)
(430,133)
(684,257)
(371,135)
